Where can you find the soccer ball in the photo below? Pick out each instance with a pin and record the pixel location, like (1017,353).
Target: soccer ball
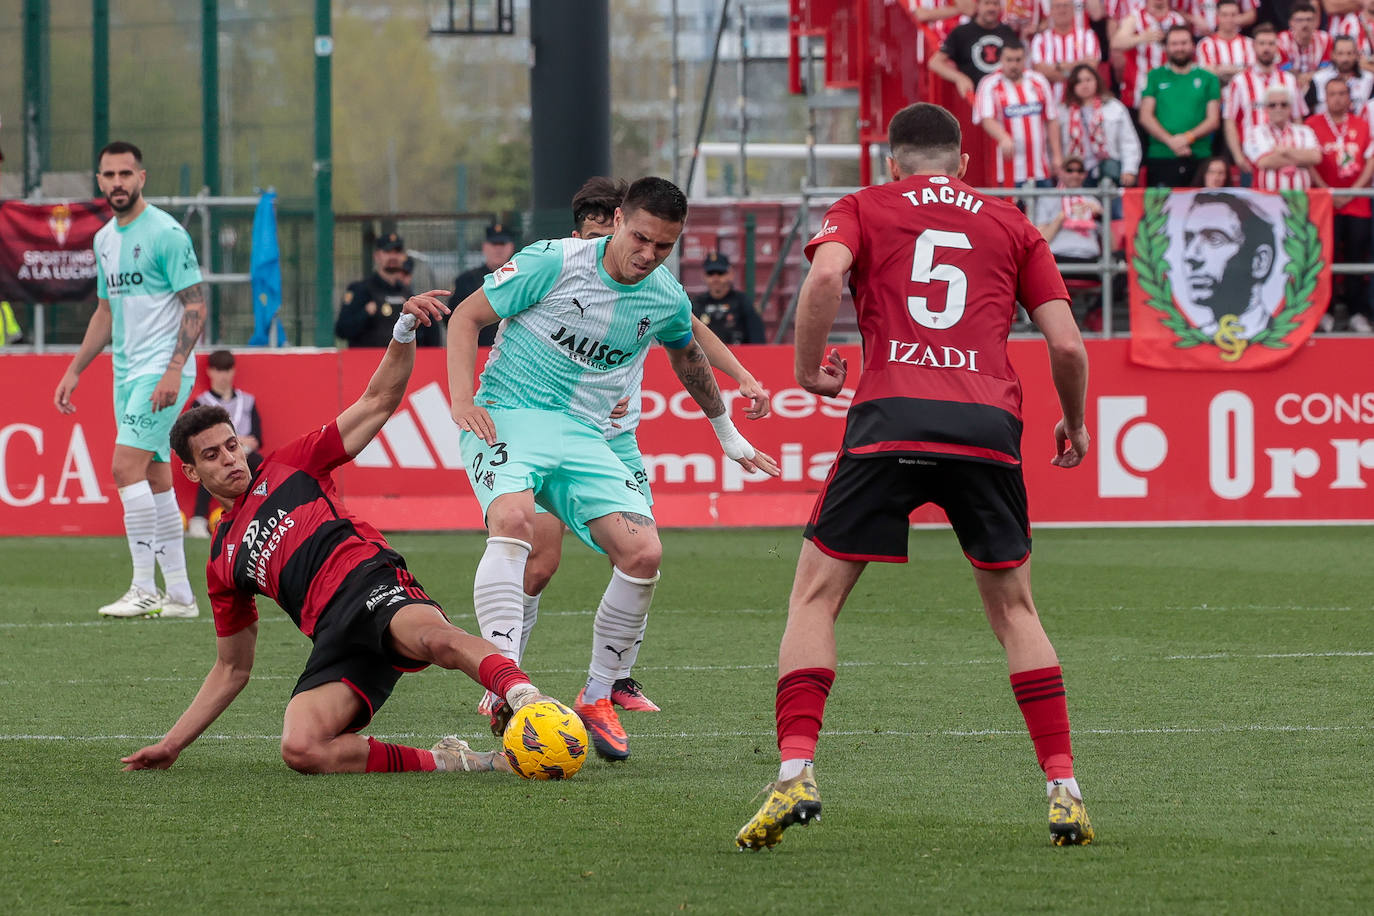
(545,740)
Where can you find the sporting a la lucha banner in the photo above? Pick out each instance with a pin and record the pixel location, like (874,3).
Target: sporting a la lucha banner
(1226,278)
(45,250)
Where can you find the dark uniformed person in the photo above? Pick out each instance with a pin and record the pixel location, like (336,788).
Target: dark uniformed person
(370,307)
(497,248)
(727,311)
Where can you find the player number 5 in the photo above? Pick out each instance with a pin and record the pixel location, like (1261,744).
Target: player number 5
(925,270)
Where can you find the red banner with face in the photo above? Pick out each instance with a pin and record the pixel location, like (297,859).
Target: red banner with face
(1226,278)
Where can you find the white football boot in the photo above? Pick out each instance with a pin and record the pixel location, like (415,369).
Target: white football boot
(134,603)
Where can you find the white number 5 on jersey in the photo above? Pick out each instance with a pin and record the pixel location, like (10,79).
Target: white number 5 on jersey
(925,270)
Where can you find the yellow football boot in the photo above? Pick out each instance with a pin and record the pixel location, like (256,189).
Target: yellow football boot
(1069,824)
(796,801)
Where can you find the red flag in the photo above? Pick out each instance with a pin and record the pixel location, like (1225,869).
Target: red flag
(1226,278)
(45,250)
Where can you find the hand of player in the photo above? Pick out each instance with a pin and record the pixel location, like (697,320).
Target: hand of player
(760,405)
(62,398)
(1154,35)
(833,373)
(473,419)
(964,85)
(1180,146)
(153,757)
(1070,446)
(762,461)
(1007,145)
(428,308)
(1246,166)
(621,408)
(168,387)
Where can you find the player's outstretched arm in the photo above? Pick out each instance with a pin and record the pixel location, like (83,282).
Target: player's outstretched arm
(364,418)
(99,332)
(471,316)
(232,668)
(1069,369)
(721,357)
(694,371)
(817,306)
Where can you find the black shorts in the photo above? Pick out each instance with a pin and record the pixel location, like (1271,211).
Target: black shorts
(352,644)
(864,511)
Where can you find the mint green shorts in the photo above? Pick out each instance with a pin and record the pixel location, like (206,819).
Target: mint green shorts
(136,424)
(626,448)
(571,468)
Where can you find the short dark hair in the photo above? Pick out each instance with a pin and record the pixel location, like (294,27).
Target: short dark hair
(924,131)
(1302,6)
(1336,38)
(658,197)
(597,200)
(1179,28)
(193,422)
(1235,3)
(220,359)
(116,147)
(1011,44)
(1264,28)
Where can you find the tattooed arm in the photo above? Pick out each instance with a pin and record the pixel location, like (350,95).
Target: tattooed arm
(192,323)
(694,371)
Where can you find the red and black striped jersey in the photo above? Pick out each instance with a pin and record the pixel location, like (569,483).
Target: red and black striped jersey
(289,537)
(938,269)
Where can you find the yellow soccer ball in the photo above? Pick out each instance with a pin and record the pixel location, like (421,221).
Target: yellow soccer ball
(545,740)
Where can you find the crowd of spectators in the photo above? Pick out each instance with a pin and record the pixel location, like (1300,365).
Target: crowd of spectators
(1170,93)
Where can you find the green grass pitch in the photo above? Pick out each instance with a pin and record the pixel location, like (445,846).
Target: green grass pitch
(1221,683)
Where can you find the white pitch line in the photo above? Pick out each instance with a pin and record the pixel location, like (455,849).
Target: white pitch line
(1229,655)
(826,733)
(761,666)
(460,617)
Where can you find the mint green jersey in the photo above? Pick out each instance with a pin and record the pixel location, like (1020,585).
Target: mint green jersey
(142,267)
(572,339)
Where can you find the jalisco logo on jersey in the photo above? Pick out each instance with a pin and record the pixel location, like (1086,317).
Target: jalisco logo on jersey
(589,351)
(116,283)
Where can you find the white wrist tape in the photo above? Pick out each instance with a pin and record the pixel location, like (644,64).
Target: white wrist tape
(732,443)
(404,329)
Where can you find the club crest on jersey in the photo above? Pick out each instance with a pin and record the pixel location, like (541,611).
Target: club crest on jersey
(588,351)
(260,489)
(643,328)
(504,272)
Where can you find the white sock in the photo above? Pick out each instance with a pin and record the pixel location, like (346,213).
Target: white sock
(527,627)
(497,592)
(140,527)
(627,664)
(1071,784)
(171,550)
(616,630)
(791,769)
